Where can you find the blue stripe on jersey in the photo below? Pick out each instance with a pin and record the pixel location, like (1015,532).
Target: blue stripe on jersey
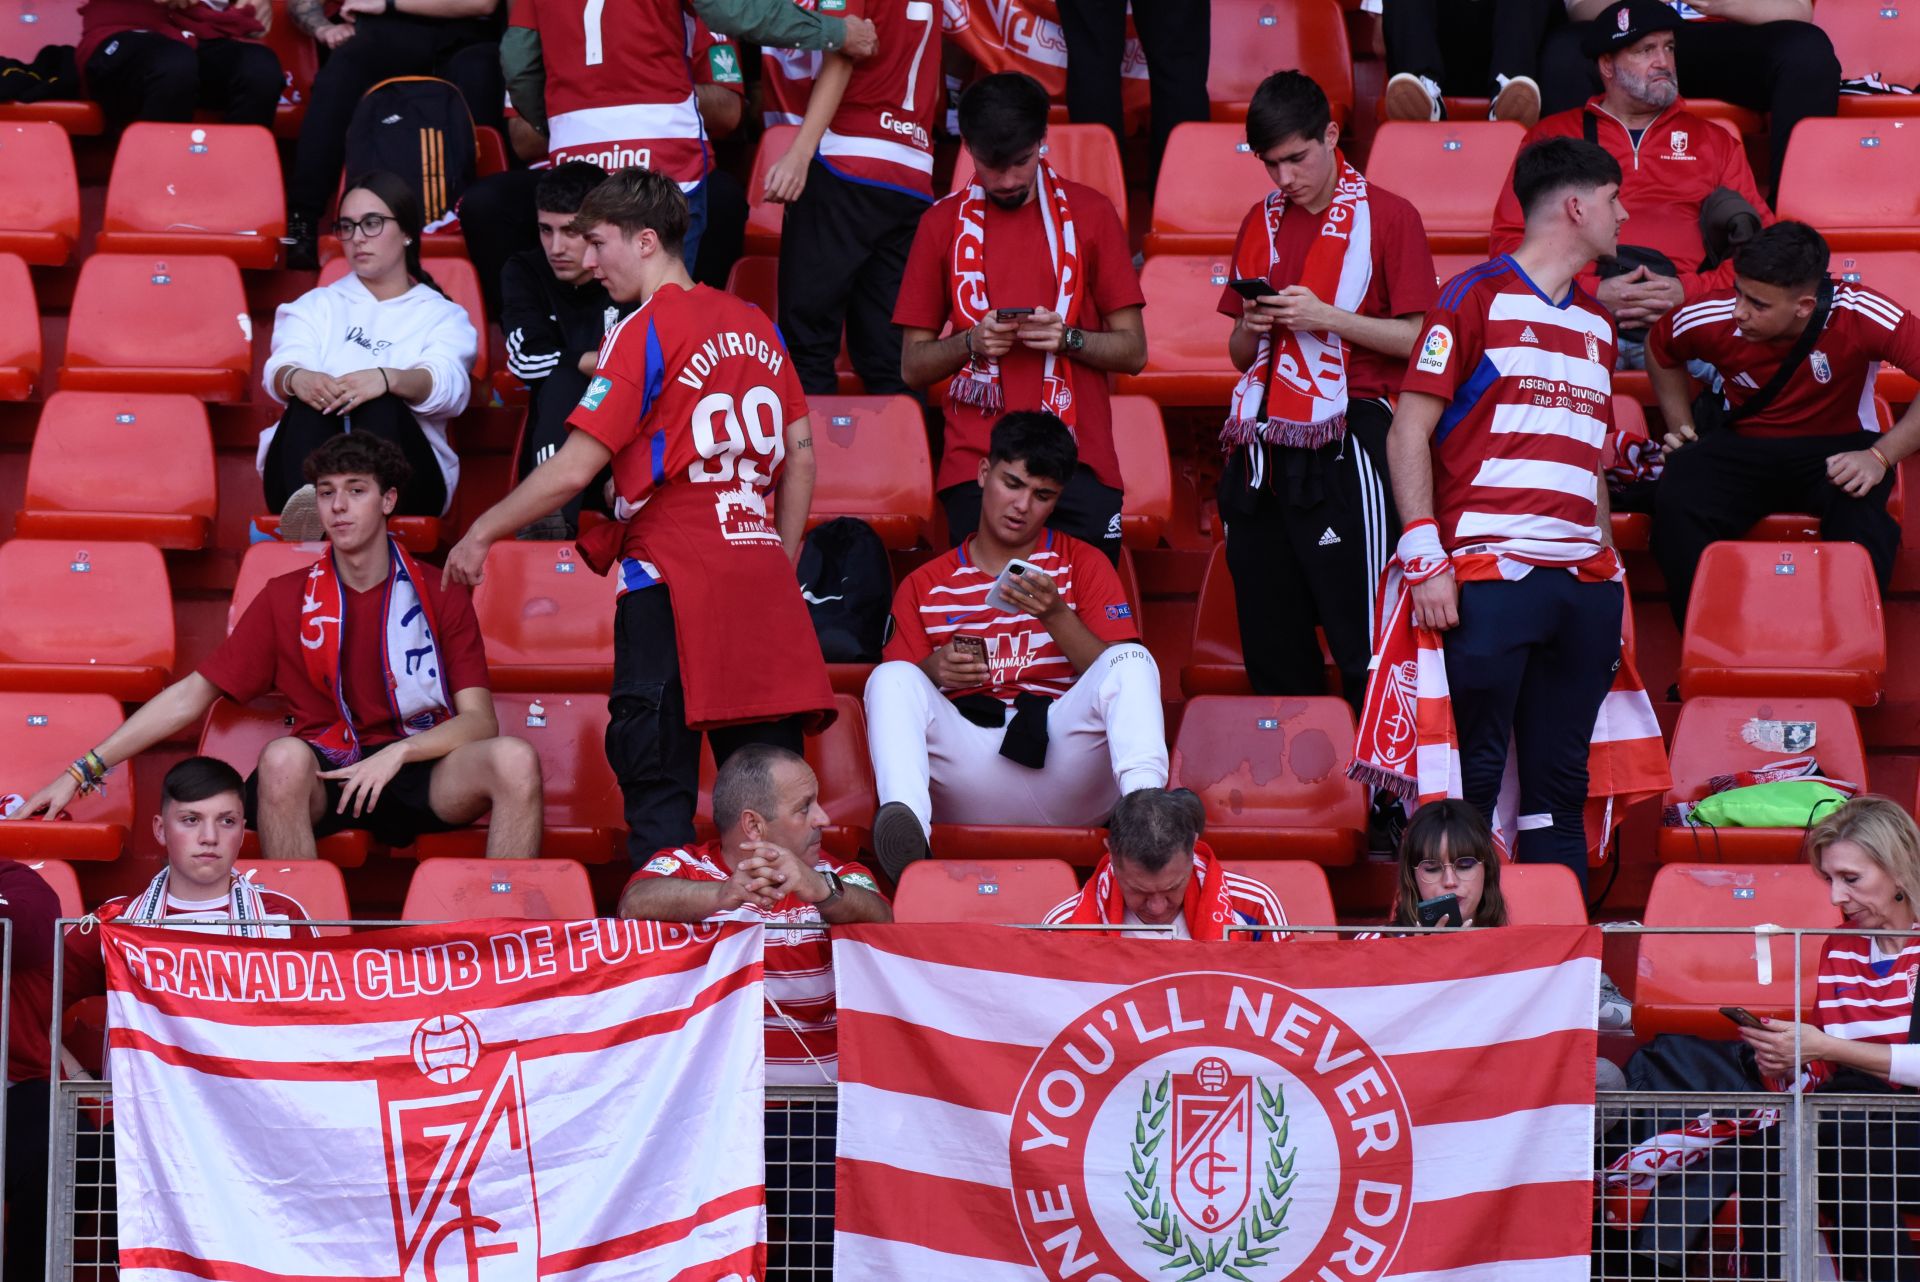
(659,454)
(634,576)
(1466,397)
(872,182)
(1541,293)
(1457,287)
(656,371)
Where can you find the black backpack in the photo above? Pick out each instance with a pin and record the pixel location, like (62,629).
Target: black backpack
(848,584)
(420,128)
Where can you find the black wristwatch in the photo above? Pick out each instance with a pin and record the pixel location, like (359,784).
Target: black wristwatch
(834,888)
(1073,341)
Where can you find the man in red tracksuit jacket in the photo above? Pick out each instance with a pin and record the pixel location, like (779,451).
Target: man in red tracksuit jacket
(1671,159)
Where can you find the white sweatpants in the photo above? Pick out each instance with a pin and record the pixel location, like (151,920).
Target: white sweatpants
(1106,736)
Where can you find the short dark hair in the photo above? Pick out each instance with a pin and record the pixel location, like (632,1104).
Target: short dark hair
(1001,116)
(1552,165)
(198,778)
(745,783)
(1288,104)
(1458,828)
(1788,254)
(1152,825)
(562,188)
(359,454)
(1037,440)
(634,200)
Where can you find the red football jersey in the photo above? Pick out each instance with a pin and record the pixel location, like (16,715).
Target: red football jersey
(1529,385)
(620,85)
(948,596)
(883,132)
(786,82)
(1831,394)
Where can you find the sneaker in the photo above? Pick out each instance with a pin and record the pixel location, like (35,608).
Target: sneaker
(1411,97)
(302,243)
(898,838)
(1518,101)
(300,518)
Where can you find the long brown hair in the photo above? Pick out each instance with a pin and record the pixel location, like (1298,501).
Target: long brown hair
(1449,827)
(397,194)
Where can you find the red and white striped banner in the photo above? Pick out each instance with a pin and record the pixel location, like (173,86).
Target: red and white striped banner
(1018,1106)
(493,1101)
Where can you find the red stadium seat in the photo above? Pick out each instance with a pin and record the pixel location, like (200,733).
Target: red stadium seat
(1216,663)
(481,889)
(28,26)
(196,189)
(584,816)
(314,884)
(1542,895)
(764,217)
(1711,739)
(40,735)
(1454,170)
(1208,181)
(1684,980)
(264,561)
(1448,265)
(39,194)
(19,331)
(840,762)
(1858,181)
(121,466)
(299,62)
(61,879)
(547,617)
(1253,38)
(1785,619)
(460,281)
(1085,154)
(144,324)
(1897,275)
(1301,886)
(1187,354)
(236,735)
(873,464)
(1140,440)
(85,617)
(756,279)
(999,892)
(1273,775)
(1873,37)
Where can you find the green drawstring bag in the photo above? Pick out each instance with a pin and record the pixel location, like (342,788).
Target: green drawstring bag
(1787,803)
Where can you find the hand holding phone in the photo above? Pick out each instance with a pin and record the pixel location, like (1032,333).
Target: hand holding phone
(1742,1016)
(961,664)
(1441,910)
(1023,588)
(1005,314)
(1251,288)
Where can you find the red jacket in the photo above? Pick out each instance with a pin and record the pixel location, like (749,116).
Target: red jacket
(103,19)
(1681,159)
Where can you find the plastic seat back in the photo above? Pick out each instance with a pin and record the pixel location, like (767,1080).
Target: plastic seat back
(1858,181)
(40,735)
(1542,895)
(1873,37)
(299,63)
(479,889)
(121,465)
(1208,181)
(547,618)
(19,331)
(148,324)
(1216,662)
(262,562)
(1453,169)
(764,217)
(64,883)
(1785,619)
(1140,441)
(1684,980)
(314,884)
(1305,897)
(873,464)
(1253,38)
(85,617)
(196,189)
(1003,892)
(1186,363)
(39,192)
(28,26)
(1272,773)
(1085,154)
(460,281)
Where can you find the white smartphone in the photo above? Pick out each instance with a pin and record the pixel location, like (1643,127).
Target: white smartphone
(996,596)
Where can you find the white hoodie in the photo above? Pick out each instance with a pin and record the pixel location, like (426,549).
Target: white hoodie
(339,328)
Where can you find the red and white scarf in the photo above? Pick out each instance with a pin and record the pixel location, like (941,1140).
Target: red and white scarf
(1407,743)
(244,905)
(979,383)
(1295,392)
(415,676)
(1208,907)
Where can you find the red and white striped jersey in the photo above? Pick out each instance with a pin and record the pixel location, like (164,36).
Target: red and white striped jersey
(800,1019)
(1832,391)
(883,132)
(948,596)
(1865,994)
(619,85)
(1517,452)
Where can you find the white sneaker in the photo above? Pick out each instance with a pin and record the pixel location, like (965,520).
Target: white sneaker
(1518,101)
(300,518)
(1411,97)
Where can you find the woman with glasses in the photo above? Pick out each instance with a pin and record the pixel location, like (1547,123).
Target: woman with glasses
(1448,850)
(380,350)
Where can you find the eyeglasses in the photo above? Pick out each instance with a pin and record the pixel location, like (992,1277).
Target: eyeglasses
(1461,866)
(370,226)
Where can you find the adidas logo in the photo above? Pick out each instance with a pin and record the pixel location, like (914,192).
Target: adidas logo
(1328,539)
(1526,336)
(394,119)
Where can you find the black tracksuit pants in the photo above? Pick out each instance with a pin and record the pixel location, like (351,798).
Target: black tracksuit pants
(1461,45)
(1174,35)
(304,429)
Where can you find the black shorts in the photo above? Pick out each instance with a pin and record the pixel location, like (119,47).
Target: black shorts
(404,811)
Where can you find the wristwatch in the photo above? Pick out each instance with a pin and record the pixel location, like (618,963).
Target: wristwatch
(834,889)
(1073,340)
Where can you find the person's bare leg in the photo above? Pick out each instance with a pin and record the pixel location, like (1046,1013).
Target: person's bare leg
(501,776)
(291,797)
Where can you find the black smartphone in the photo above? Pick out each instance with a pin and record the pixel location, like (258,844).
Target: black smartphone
(1441,910)
(1742,1016)
(1011,313)
(1250,288)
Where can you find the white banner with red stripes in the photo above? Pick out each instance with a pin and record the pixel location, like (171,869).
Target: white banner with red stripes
(1019,1105)
(491,1100)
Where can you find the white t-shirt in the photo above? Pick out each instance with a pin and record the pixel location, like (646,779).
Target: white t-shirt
(1140,929)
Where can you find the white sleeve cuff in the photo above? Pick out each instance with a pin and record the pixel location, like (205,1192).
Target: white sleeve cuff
(1904,1068)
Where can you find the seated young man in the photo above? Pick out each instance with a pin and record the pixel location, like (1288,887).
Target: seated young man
(384,677)
(1046,711)
(1810,443)
(1157,872)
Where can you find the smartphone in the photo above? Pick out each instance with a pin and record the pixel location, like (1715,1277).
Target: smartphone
(1441,910)
(1742,1016)
(972,647)
(1012,313)
(1251,288)
(996,597)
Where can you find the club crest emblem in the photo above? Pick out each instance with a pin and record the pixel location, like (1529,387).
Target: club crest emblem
(1624,19)
(1678,141)
(1821,367)
(1593,349)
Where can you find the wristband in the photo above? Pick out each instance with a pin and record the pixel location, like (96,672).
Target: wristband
(386,387)
(1875,451)
(79,777)
(968,338)
(1420,553)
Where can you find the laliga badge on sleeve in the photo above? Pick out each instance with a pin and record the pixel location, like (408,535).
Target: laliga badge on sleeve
(665,865)
(596,392)
(1435,351)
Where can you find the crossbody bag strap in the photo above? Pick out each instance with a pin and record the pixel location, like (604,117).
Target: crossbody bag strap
(1802,346)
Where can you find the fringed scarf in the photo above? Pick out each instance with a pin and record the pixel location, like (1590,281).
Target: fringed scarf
(1208,909)
(244,905)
